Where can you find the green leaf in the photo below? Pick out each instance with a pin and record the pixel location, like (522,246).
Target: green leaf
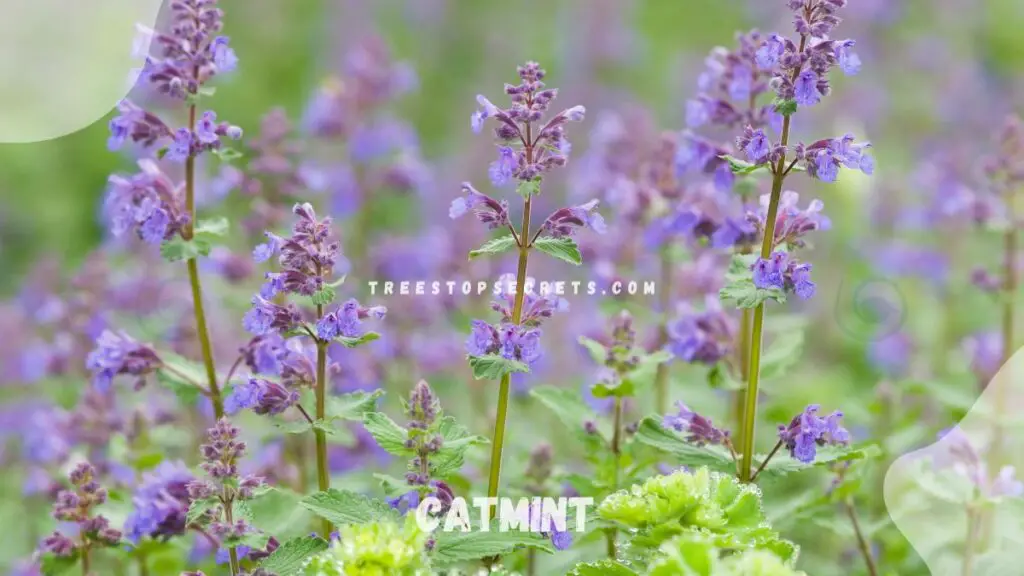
(567,405)
(784,106)
(493,366)
(494,246)
(217,227)
(783,464)
(391,485)
(177,249)
(148,460)
(457,546)
(252,540)
(352,406)
(457,440)
(597,350)
(563,248)
(782,354)
(296,427)
(277,511)
(198,508)
(290,558)
(601,568)
(353,342)
(227,154)
(653,434)
(344,507)
(389,436)
(324,296)
(527,188)
(52,565)
(742,167)
(181,375)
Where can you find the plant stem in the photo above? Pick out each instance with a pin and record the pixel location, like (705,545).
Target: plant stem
(766,460)
(862,542)
(193,277)
(85,561)
(1009,278)
(322,473)
(972,533)
(494,477)
(767,245)
(506,380)
(616,455)
(232,554)
(743,357)
(664,301)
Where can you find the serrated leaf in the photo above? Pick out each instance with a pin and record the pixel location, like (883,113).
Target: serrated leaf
(742,167)
(389,435)
(251,540)
(457,440)
(342,507)
(181,375)
(277,511)
(227,154)
(567,405)
(598,352)
(198,508)
(290,558)
(52,565)
(623,389)
(353,405)
(493,366)
(457,546)
(324,296)
(563,248)
(783,464)
(782,354)
(353,342)
(494,246)
(653,434)
(213,227)
(296,427)
(784,106)
(601,568)
(527,188)
(391,485)
(177,249)
(739,284)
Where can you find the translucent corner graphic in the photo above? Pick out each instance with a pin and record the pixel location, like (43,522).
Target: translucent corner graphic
(65,63)
(959,500)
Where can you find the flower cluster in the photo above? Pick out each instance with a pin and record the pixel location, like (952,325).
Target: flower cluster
(160,503)
(702,336)
(226,485)
(807,431)
(738,76)
(118,353)
(530,149)
(423,409)
(781,272)
(565,221)
(148,202)
(700,430)
(78,506)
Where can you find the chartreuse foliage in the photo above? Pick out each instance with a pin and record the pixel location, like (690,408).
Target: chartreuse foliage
(699,523)
(374,549)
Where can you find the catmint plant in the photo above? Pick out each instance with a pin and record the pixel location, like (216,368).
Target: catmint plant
(150,203)
(78,507)
(307,260)
(216,502)
(799,78)
(528,146)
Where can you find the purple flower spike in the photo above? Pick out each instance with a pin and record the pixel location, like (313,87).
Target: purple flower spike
(502,170)
(770,272)
(181,148)
(806,89)
(486,209)
(118,353)
(847,59)
(565,221)
(701,431)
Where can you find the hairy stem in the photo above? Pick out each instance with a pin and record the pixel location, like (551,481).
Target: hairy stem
(862,543)
(506,380)
(664,301)
(193,277)
(322,473)
(232,553)
(743,359)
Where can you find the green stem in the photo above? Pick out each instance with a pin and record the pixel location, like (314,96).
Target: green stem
(862,543)
(506,380)
(322,472)
(232,553)
(972,534)
(617,456)
(193,277)
(85,560)
(743,358)
(754,372)
(664,301)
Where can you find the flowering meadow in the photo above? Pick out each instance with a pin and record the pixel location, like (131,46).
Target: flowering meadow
(744,275)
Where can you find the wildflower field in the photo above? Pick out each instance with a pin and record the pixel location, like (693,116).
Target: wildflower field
(354,287)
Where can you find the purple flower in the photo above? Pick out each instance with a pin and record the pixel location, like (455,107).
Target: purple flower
(847,59)
(758,148)
(154,229)
(488,111)
(206,128)
(160,503)
(801,279)
(565,221)
(807,431)
(502,169)
(701,431)
(346,321)
(740,85)
(486,209)
(703,337)
(770,272)
(482,339)
(768,55)
(806,90)
(827,168)
(181,148)
(118,353)
(697,113)
(266,251)
(224,57)
(261,396)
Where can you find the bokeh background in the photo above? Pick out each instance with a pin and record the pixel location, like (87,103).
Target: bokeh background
(896,312)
